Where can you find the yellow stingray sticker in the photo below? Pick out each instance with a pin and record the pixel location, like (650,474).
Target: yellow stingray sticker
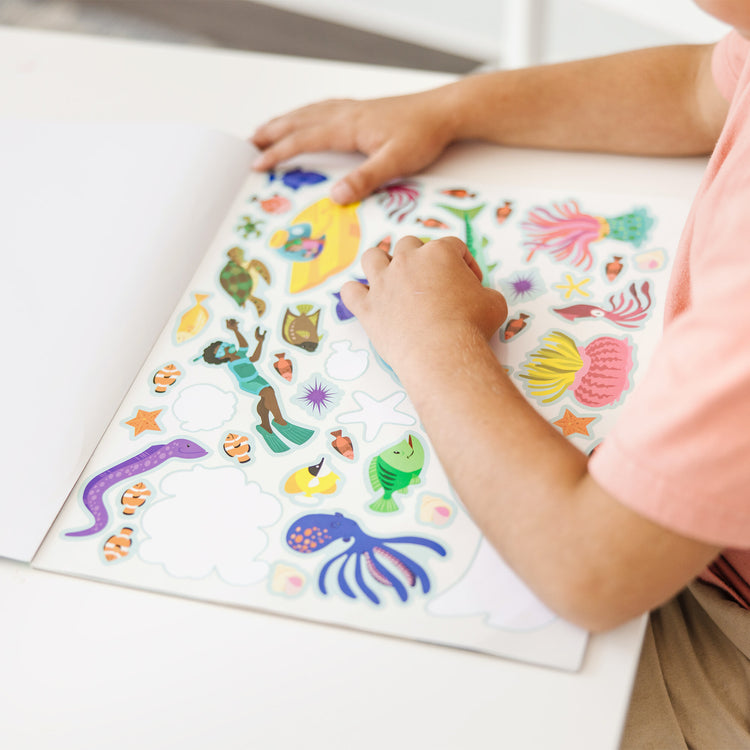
(322,241)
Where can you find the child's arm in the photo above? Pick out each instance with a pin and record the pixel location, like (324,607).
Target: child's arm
(653,101)
(585,554)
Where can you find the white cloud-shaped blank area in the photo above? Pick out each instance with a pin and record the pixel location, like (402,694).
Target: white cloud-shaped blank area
(492,589)
(210,520)
(204,407)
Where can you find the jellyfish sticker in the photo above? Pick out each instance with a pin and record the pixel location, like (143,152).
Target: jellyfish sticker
(567,233)
(596,374)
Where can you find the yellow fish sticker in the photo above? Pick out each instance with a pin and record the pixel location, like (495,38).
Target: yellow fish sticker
(321,241)
(193,320)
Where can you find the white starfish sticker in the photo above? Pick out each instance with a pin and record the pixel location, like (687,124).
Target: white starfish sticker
(374,414)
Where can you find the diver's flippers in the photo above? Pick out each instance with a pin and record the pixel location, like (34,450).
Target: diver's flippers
(293,433)
(274,443)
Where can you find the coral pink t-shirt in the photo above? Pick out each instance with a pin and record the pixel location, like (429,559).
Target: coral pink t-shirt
(680,452)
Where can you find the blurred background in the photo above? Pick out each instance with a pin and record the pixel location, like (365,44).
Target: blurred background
(441,35)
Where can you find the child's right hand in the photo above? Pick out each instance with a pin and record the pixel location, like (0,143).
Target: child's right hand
(400,135)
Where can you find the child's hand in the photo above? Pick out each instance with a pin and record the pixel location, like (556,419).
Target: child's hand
(425,297)
(400,135)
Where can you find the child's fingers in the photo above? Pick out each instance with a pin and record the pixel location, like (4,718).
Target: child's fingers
(471,261)
(353,295)
(374,262)
(382,166)
(308,140)
(407,242)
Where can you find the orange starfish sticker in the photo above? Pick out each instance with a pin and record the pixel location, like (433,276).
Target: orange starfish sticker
(144,420)
(572,424)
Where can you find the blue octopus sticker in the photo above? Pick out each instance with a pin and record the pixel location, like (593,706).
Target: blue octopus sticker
(315,531)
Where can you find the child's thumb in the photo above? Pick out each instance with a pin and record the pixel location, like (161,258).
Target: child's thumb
(367,178)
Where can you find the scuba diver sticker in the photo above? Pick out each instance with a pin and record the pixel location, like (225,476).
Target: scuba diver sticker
(249,380)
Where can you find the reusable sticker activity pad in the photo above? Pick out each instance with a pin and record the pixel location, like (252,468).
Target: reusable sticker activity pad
(266,456)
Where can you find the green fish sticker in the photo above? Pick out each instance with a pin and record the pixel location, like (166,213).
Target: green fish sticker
(395,470)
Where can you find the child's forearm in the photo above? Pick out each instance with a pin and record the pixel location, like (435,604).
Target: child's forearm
(652,101)
(527,487)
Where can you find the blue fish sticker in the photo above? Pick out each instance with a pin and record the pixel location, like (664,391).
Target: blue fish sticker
(297,178)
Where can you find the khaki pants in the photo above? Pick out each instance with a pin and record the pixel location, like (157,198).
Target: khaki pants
(692,689)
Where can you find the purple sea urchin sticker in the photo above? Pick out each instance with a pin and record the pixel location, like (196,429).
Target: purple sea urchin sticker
(523,286)
(317,396)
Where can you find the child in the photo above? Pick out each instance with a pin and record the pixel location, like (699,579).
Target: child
(659,519)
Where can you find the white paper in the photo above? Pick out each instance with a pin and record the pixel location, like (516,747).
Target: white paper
(102,227)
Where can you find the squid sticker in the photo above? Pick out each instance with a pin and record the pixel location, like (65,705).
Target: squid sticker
(597,374)
(567,233)
(626,312)
(321,241)
(386,565)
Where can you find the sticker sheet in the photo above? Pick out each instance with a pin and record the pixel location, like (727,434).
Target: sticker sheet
(267,457)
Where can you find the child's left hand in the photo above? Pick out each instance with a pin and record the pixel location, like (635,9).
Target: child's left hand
(422,299)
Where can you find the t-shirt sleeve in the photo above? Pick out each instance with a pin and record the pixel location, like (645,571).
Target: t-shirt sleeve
(679,453)
(726,63)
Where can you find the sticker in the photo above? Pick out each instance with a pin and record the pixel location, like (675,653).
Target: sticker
(210,521)
(597,374)
(477,244)
(523,286)
(570,286)
(297,178)
(342,444)
(284,366)
(384,563)
(144,421)
(302,329)
(312,480)
(321,241)
(625,310)
(287,580)
(395,470)
(434,510)
(345,364)
(240,278)
(241,365)
(165,377)
(147,460)
(203,407)
(376,414)
(502,213)
(398,199)
(276,204)
(134,498)
(117,547)
(317,396)
(572,424)
(653,260)
(237,447)
(514,326)
(249,226)
(193,320)
(567,233)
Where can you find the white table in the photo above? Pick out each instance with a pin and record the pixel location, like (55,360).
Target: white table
(85,665)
